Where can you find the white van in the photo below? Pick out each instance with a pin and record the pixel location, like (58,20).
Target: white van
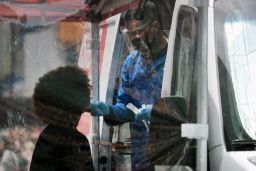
(208,74)
(206,116)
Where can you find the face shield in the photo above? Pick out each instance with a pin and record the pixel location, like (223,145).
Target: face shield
(136,38)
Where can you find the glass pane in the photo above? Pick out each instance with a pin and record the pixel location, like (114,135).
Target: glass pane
(184,54)
(240,31)
(236,58)
(25,55)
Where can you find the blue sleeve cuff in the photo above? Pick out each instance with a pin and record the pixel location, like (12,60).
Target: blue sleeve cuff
(119,114)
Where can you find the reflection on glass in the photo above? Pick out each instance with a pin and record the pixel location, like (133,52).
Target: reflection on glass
(25,55)
(240,31)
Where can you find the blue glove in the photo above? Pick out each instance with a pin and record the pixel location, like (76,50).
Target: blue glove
(144,113)
(100,109)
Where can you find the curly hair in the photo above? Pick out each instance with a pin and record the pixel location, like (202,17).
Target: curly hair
(62,94)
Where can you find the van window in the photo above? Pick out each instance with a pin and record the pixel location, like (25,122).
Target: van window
(185,54)
(236,45)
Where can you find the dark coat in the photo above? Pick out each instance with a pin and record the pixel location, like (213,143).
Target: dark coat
(60,149)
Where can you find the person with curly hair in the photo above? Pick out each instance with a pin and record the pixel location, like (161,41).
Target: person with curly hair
(60,97)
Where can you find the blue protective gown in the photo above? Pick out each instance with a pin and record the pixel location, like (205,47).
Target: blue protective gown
(140,84)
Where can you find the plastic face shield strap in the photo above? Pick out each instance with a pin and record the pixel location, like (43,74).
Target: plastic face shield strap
(127,40)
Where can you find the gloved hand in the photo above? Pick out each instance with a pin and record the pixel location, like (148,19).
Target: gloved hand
(144,113)
(99,109)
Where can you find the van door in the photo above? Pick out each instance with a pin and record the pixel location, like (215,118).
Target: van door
(167,149)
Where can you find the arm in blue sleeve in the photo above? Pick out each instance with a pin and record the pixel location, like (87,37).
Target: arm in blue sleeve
(119,113)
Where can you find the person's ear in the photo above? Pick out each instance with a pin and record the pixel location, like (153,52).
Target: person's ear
(155,27)
(153,30)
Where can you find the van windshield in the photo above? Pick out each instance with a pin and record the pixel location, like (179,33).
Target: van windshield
(236,50)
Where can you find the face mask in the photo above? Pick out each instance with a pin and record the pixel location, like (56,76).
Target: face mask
(140,45)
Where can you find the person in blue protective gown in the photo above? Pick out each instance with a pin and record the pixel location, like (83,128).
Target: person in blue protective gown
(141,80)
